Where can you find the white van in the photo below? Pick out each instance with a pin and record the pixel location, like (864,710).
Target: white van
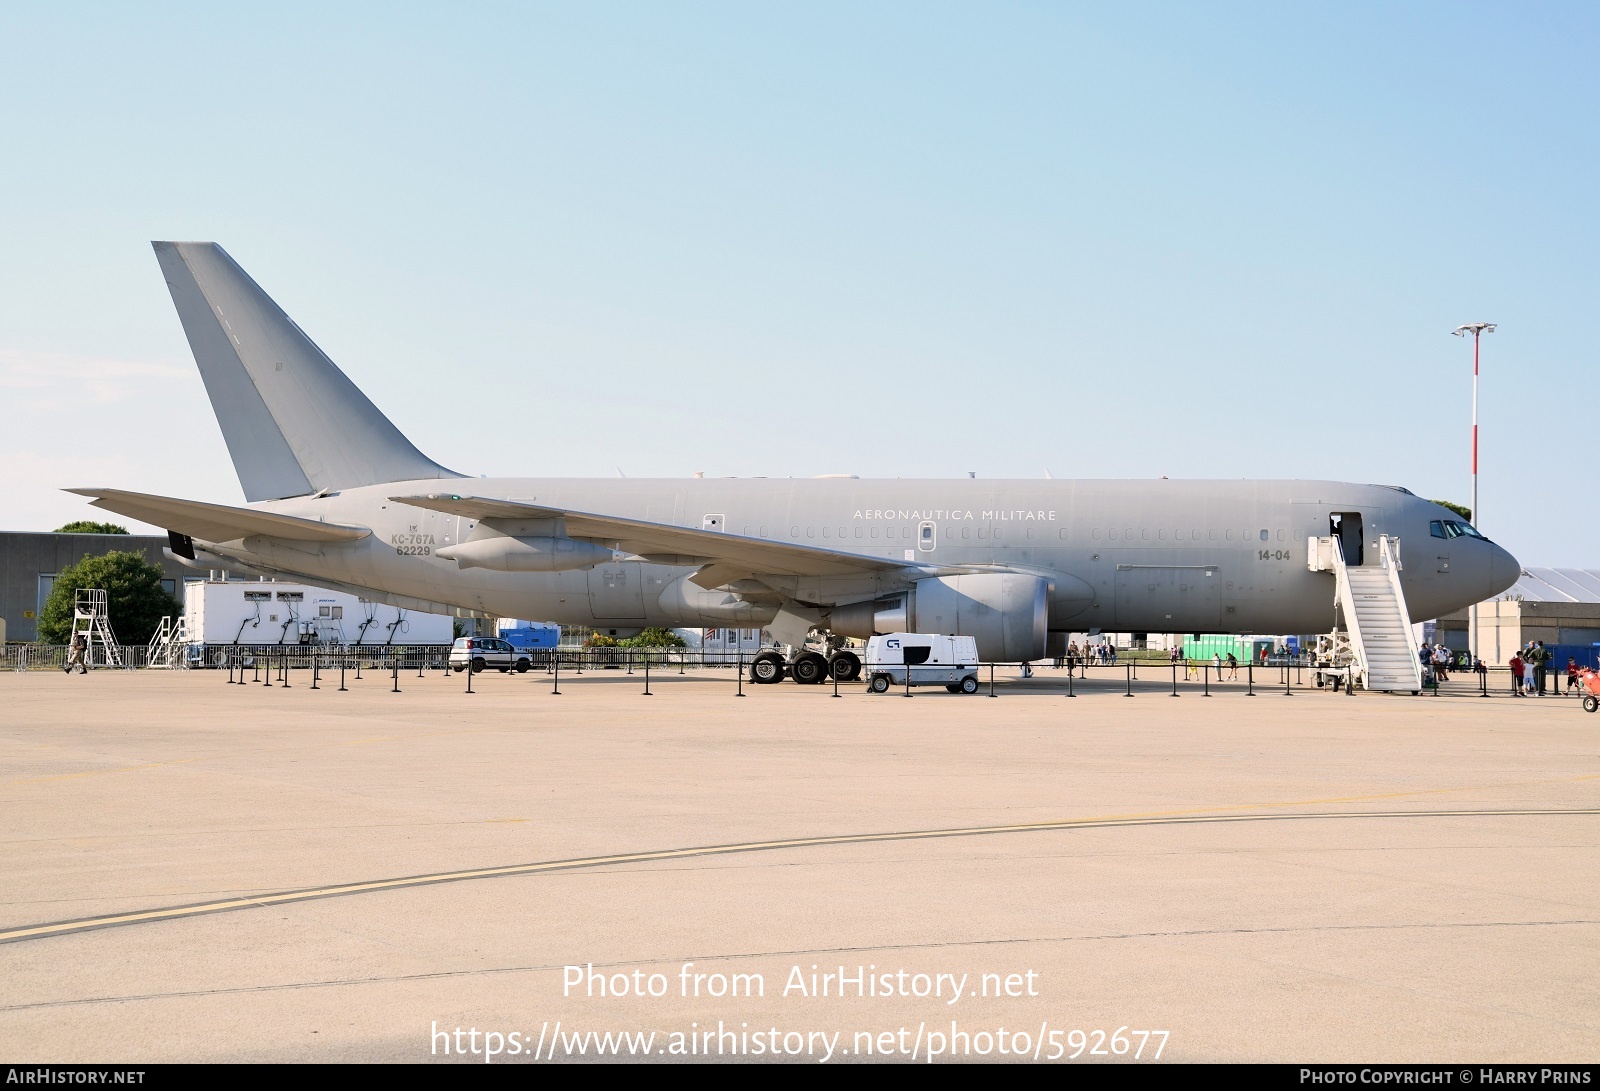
(932,659)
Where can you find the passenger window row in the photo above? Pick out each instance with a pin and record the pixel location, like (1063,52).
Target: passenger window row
(1145,534)
(985,532)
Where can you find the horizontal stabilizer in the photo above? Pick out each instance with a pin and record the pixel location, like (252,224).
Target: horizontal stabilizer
(217,522)
(759,555)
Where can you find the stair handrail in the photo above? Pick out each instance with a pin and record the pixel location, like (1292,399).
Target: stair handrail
(1389,552)
(1352,622)
(157,648)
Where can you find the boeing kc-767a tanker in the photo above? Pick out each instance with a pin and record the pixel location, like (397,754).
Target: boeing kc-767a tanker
(337,497)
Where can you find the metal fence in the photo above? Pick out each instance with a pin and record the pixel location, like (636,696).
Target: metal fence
(24,657)
(1127,677)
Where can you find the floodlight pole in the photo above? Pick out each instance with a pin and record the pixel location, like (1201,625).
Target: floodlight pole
(1477,329)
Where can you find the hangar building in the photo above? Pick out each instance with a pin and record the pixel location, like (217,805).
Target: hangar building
(29,563)
(1560,606)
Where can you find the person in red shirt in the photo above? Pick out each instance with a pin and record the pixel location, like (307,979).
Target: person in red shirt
(1572,673)
(1516,674)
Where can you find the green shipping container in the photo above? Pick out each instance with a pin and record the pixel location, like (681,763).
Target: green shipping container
(1204,647)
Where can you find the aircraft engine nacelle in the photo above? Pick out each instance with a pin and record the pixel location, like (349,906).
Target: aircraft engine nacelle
(1007,613)
(867,619)
(691,604)
(503,553)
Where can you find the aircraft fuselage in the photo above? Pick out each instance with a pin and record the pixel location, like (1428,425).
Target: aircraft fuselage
(1124,556)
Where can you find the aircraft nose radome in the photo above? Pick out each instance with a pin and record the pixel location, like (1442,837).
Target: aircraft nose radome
(1504,570)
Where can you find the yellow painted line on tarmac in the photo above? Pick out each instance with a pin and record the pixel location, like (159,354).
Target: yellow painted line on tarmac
(372,886)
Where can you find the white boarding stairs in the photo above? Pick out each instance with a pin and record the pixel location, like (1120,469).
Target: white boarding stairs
(91,618)
(1382,644)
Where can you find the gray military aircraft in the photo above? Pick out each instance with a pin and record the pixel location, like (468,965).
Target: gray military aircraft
(339,498)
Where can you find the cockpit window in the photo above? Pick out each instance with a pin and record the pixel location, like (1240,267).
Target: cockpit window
(1450,528)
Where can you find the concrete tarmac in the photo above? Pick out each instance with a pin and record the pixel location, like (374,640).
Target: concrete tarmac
(1314,879)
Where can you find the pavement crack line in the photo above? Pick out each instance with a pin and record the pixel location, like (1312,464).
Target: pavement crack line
(740,956)
(180,912)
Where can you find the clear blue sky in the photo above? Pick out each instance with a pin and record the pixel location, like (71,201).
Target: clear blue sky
(916,239)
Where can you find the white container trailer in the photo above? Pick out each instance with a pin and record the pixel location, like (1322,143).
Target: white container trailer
(221,612)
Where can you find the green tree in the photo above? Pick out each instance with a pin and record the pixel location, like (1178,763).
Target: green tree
(134,598)
(654,637)
(1464,512)
(89,526)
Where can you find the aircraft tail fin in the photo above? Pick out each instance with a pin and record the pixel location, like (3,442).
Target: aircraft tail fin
(294,423)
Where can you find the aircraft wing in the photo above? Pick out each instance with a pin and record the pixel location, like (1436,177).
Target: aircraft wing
(217,522)
(732,552)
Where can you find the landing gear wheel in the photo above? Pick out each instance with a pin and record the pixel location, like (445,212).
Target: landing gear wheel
(879,683)
(1591,703)
(767,669)
(969,685)
(845,666)
(809,669)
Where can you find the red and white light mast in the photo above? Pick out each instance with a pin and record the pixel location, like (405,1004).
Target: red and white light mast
(1477,329)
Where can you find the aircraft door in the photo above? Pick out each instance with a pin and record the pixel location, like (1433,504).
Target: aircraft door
(1346,526)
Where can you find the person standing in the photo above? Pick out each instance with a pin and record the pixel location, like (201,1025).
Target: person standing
(1528,666)
(1572,674)
(1541,665)
(1516,674)
(1233,666)
(80,648)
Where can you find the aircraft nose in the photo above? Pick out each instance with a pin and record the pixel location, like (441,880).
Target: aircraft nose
(1504,570)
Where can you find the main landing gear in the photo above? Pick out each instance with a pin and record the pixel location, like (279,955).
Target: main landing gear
(807,668)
